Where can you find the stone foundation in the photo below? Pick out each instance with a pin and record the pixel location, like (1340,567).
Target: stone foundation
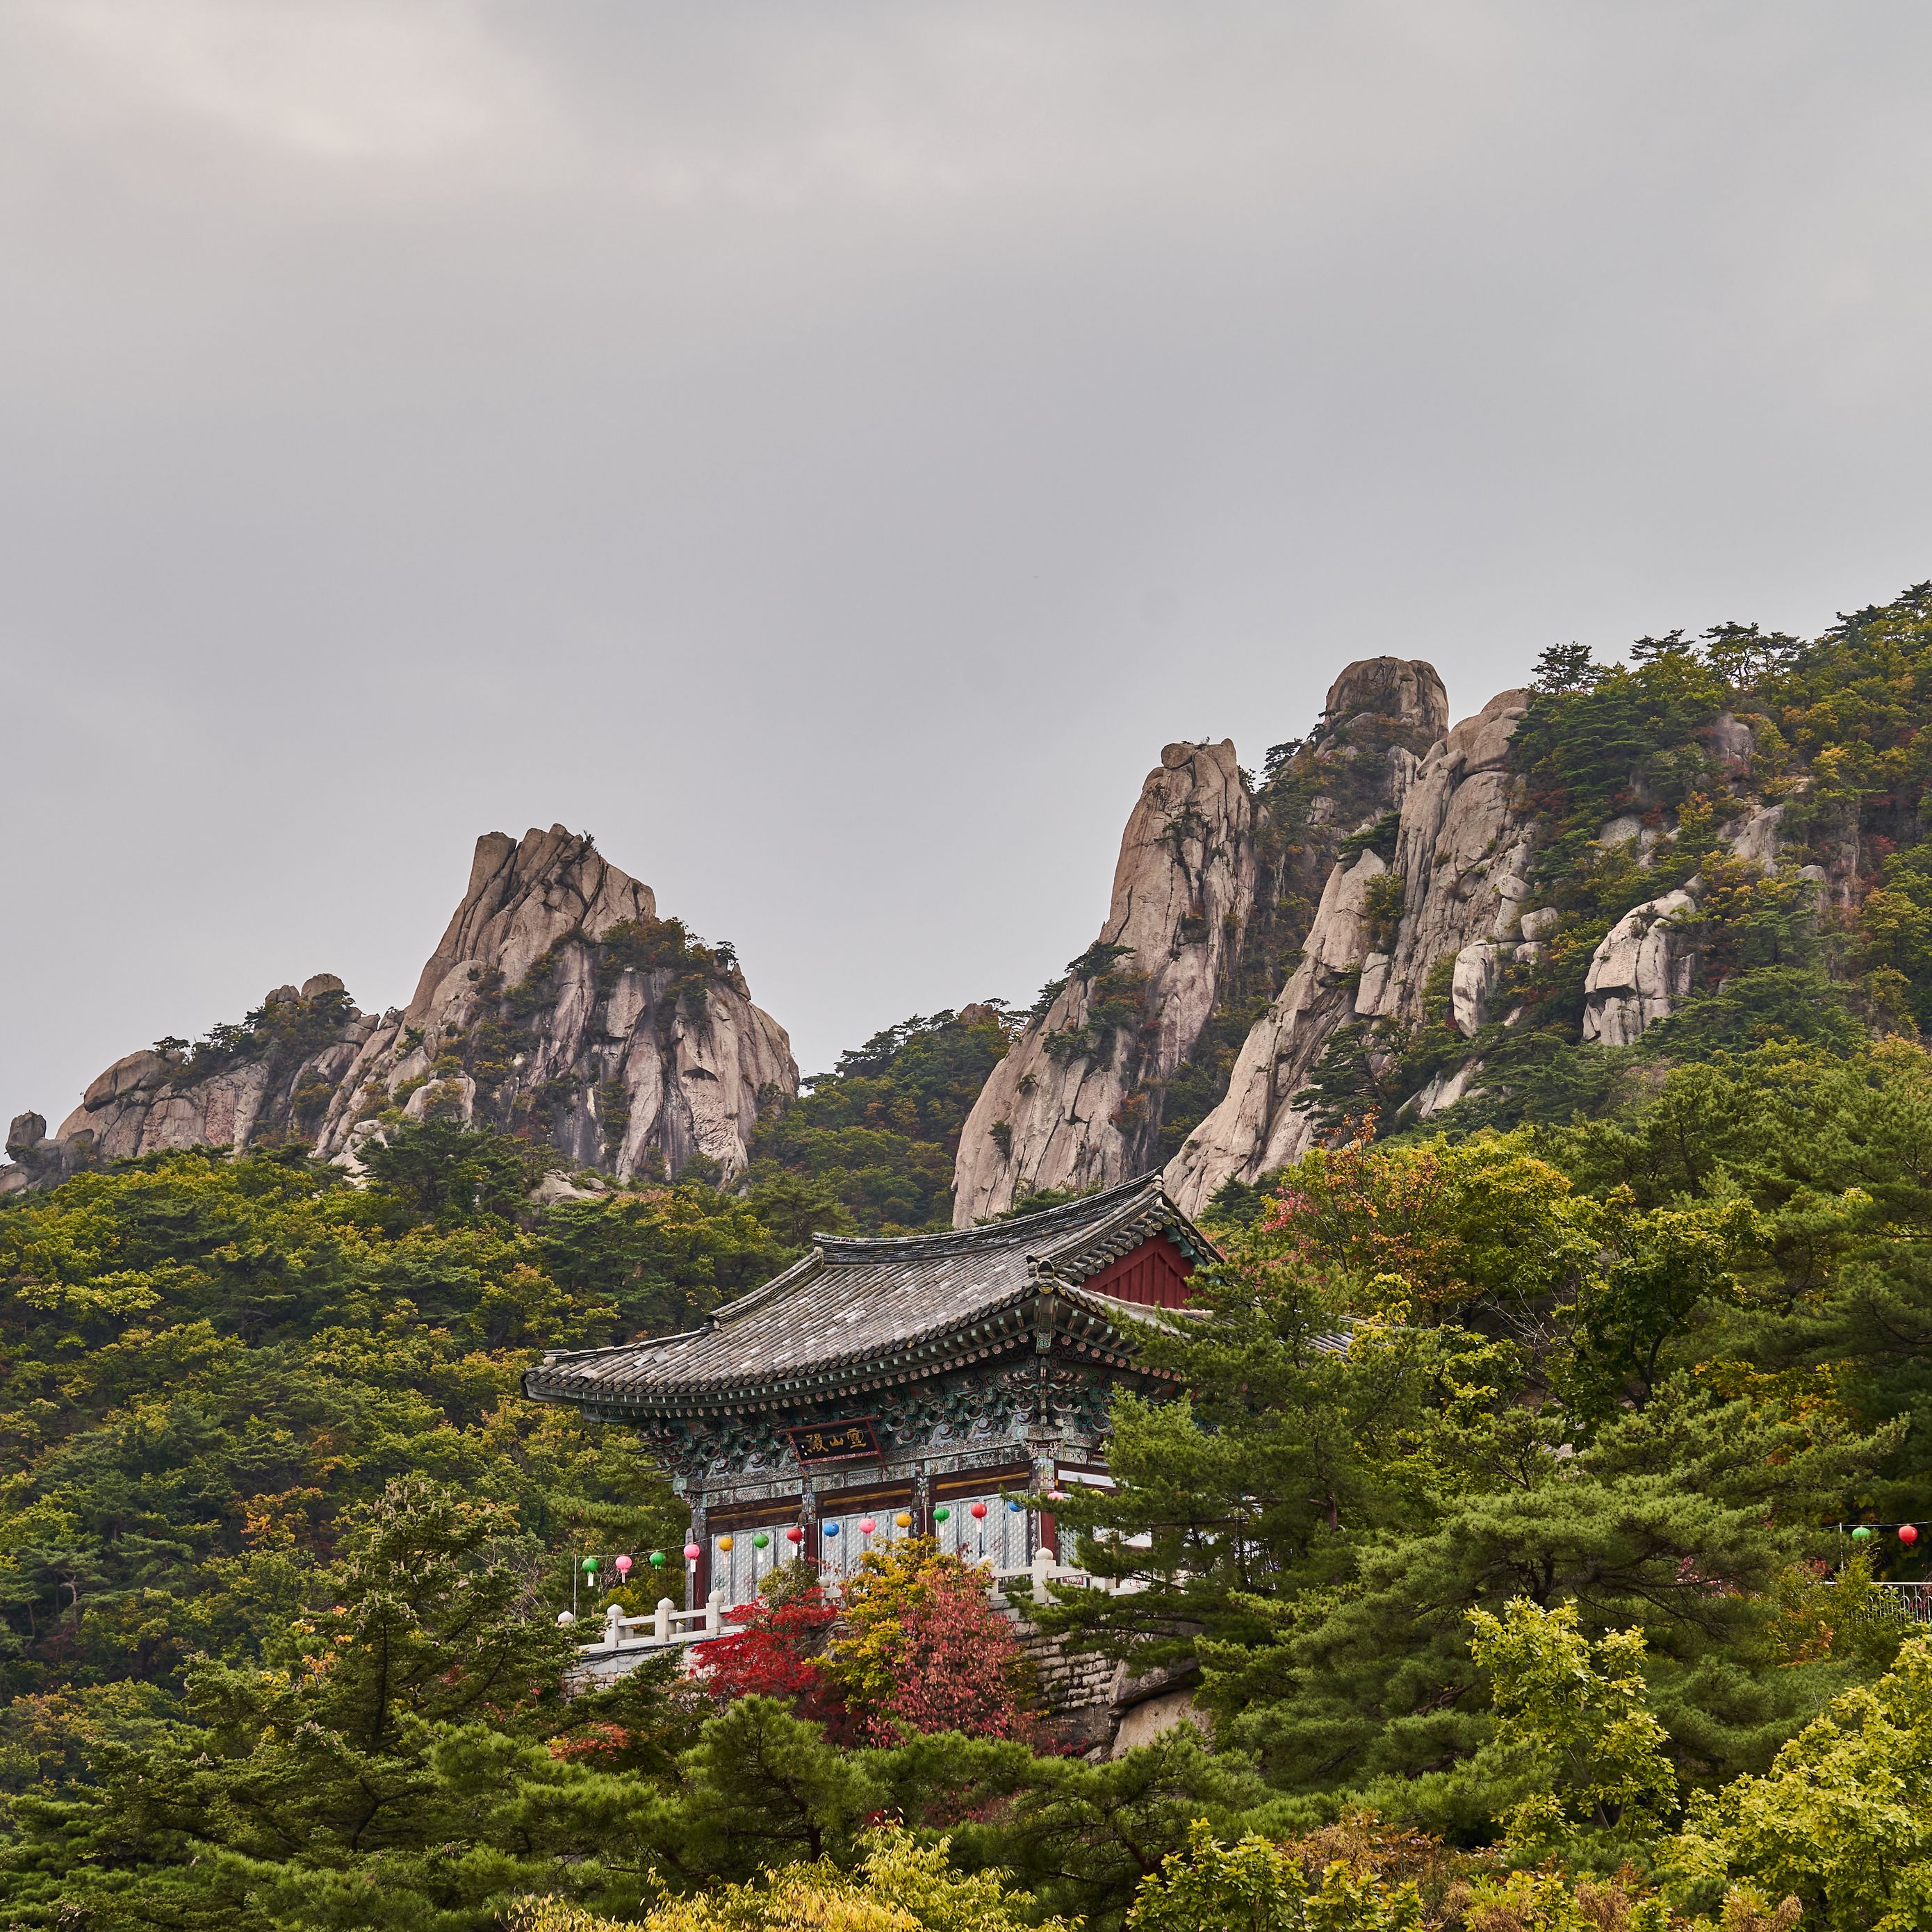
(1093,1702)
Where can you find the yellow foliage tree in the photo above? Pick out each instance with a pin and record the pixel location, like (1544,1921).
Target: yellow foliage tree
(902,1886)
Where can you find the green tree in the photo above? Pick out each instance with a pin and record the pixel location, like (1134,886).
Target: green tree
(1575,1731)
(1842,1822)
(1316,1521)
(450,1173)
(290,1791)
(656,1262)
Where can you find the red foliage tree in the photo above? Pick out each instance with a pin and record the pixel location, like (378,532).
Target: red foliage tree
(774,1652)
(926,1651)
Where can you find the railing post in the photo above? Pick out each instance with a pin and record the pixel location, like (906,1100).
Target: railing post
(613,1625)
(1042,1568)
(714,1612)
(661,1629)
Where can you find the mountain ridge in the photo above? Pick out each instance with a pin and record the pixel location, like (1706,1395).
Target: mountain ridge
(1400,924)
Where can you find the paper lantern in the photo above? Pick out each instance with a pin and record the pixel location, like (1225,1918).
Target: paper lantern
(657,1559)
(942,1515)
(623,1566)
(832,1529)
(728,1543)
(1861,1533)
(759,1541)
(794,1535)
(904,1518)
(692,1551)
(866,1526)
(1908,1533)
(1014,1505)
(590,1564)
(979,1512)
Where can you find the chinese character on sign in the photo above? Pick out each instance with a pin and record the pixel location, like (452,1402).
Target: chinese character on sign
(839,1442)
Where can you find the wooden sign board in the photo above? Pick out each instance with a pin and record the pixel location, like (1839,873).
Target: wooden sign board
(835,1441)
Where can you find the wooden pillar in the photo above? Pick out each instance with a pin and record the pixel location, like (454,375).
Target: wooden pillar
(1046,1480)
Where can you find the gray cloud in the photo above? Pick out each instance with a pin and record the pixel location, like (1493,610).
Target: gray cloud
(827,450)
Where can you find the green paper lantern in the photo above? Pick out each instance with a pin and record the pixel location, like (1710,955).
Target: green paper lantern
(657,1559)
(759,1541)
(942,1515)
(590,1564)
(1862,1533)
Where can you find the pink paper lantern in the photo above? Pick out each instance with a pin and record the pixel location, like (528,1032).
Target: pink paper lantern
(692,1551)
(623,1566)
(866,1526)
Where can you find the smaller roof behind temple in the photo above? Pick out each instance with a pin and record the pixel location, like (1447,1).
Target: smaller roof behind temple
(861,1314)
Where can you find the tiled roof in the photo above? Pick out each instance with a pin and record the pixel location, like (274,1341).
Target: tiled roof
(890,1309)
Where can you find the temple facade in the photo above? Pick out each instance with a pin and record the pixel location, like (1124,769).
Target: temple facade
(923,1385)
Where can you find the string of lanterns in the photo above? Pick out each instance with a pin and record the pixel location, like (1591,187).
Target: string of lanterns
(1907,1533)
(867,1526)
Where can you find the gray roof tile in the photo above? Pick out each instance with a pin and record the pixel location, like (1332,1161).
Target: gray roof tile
(851,1302)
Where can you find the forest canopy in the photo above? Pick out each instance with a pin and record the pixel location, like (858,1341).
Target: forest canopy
(1532,1534)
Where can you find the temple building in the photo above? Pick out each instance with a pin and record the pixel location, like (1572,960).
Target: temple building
(916,1386)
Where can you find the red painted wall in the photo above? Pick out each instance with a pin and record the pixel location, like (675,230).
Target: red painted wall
(1154,1273)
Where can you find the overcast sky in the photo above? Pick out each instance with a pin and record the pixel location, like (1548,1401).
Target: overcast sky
(827,450)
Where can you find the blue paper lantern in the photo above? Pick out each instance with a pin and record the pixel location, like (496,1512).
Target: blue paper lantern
(831,1529)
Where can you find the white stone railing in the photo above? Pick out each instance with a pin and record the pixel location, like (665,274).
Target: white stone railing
(666,1624)
(1044,1573)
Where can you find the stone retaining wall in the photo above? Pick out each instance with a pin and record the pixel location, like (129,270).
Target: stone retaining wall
(1093,1700)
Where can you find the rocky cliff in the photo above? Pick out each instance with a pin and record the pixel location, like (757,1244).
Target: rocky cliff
(1401,918)
(1113,1067)
(557,1005)
(1452,889)
(1074,1104)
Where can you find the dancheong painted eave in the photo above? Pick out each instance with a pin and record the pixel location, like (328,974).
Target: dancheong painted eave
(858,1315)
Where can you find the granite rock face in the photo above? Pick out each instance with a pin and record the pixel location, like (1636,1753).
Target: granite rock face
(268,1078)
(1462,854)
(1642,970)
(557,1005)
(1405,691)
(1070,1105)
(1079,1101)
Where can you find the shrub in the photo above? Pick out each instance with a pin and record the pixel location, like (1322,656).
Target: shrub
(1258,1885)
(902,1886)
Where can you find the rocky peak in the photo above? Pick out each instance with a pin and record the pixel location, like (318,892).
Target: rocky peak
(1075,1103)
(1203,902)
(524,897)
(1448,887)
(557,1005)
(1404,693)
